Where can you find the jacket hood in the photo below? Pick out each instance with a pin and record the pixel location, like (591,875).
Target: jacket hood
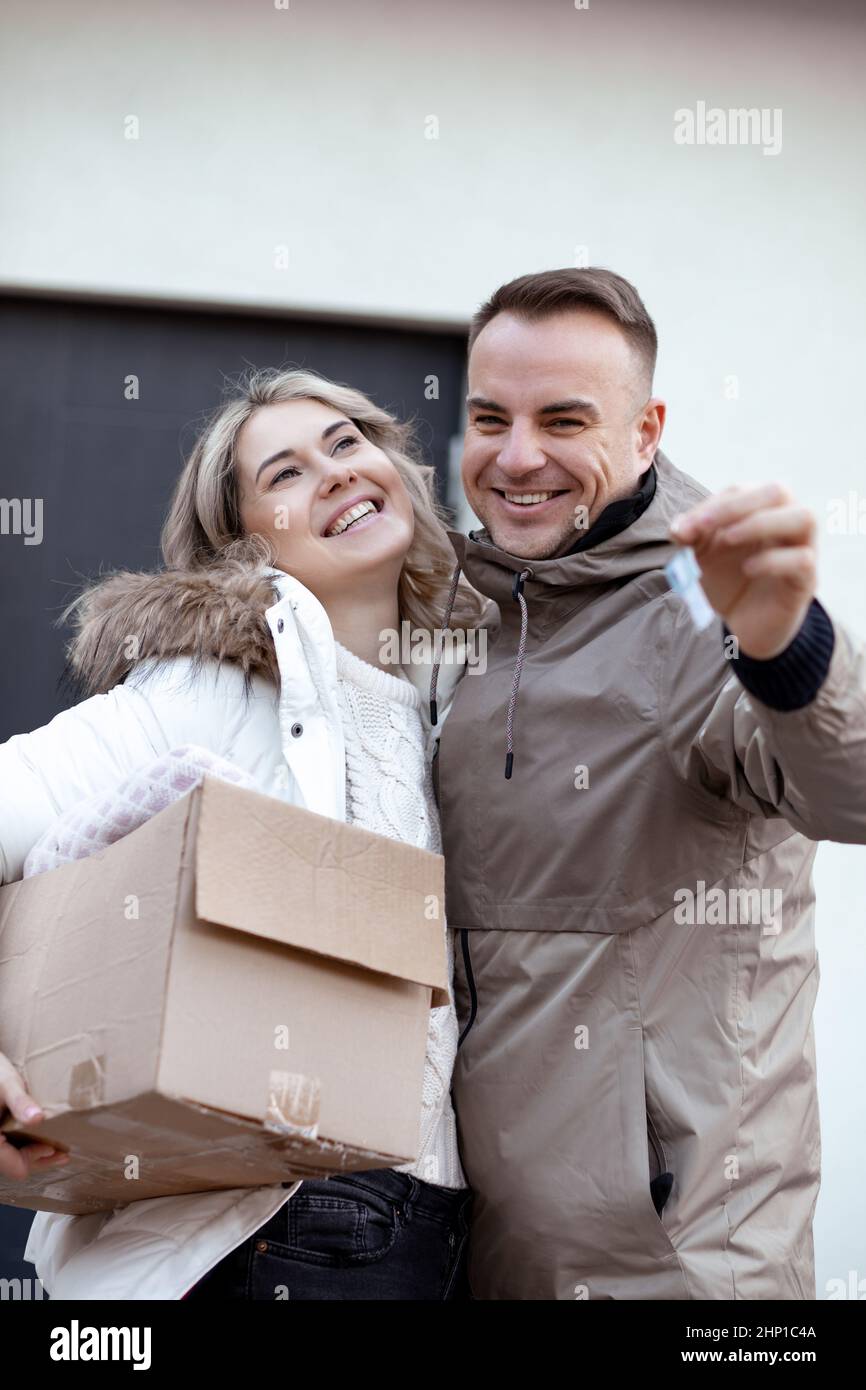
(642,545)
(209,613)
(214,613)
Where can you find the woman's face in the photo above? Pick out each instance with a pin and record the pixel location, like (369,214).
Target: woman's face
(334,503)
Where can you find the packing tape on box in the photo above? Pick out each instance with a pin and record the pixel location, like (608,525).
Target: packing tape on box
(87,1084)
(293,1104)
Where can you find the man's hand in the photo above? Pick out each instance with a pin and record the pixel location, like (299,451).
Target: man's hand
(758,558)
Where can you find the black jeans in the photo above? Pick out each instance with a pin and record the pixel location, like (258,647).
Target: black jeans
(369,1235)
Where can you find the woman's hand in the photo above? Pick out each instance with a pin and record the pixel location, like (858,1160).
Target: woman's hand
(31,1157)
(757,552)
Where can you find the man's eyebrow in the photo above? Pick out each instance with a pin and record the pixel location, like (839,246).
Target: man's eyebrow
(577,404)
(288,453)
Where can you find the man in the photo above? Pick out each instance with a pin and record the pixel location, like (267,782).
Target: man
(629,804)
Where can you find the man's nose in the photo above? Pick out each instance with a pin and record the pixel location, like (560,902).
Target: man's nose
(521,453)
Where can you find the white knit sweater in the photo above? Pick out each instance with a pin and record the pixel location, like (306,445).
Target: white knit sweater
(389,789)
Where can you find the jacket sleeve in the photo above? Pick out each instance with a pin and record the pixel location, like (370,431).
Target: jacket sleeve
(805,765)
(92,746)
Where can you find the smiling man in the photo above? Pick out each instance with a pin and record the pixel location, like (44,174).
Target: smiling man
(635,1090)
(545,465)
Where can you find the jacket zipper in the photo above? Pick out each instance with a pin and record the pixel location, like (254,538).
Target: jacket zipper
(470,980)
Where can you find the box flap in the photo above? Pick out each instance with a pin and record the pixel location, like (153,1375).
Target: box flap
(181,1147)
(279,871)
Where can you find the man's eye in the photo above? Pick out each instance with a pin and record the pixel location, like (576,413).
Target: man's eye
(489,420)
(571,423)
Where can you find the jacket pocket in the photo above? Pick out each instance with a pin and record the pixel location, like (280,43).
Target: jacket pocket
(661,1179)
(648,1178)
(470,985)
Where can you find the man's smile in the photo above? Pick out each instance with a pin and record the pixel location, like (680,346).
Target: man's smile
(525,503)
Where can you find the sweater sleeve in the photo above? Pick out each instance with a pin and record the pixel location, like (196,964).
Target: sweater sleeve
(793,678)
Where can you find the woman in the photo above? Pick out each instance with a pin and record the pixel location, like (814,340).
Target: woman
(302,533)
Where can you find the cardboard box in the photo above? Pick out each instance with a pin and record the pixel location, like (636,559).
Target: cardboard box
(235,994)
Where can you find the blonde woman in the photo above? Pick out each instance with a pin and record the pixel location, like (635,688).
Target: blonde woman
(302,529)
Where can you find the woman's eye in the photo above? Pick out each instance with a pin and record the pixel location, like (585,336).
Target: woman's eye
(346,439)
(285,472)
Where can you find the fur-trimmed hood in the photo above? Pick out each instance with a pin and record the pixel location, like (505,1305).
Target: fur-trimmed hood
(215,612)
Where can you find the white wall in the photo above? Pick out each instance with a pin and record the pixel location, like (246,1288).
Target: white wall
(306,128)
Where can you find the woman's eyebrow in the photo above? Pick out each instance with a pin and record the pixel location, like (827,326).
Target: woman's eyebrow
(288,453)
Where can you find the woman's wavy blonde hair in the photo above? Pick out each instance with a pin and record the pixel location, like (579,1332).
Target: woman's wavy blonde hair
(203,526)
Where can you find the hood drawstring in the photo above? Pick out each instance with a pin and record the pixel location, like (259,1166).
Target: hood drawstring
(517,594)
(449,608)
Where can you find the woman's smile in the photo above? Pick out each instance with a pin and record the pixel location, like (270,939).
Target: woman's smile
(358,514)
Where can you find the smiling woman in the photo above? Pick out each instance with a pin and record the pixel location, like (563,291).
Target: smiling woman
(278,475)
(339,511)
(302,535)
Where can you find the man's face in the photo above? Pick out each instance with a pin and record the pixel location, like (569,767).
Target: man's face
(560,424)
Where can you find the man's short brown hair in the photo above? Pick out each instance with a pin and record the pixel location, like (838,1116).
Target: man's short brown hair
(550,292)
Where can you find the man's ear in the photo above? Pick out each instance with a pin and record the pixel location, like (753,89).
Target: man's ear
(650,424)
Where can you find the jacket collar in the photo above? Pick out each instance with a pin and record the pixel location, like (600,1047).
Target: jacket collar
(642,544)
(619,514)
(225,612)
(417,667)
(216,612)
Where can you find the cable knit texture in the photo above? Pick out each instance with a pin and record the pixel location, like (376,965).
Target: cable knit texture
(389,789)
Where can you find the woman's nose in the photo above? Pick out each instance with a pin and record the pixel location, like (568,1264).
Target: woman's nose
(338,475)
